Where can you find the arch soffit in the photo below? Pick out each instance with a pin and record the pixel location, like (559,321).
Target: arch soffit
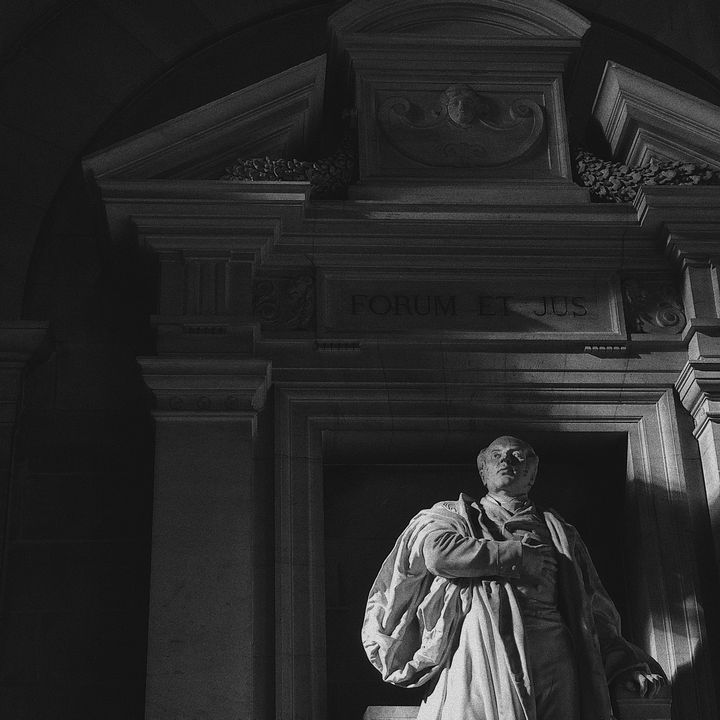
(475,18)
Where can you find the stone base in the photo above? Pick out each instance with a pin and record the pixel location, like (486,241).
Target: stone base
(391,712)
(627,707)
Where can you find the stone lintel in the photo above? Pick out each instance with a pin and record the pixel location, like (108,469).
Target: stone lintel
(643,118)
(212,386)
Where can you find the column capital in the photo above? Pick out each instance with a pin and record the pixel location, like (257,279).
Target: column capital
(205,386)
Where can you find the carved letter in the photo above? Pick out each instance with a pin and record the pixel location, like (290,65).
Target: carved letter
(578,303)
(565,309)
(426,309)
(358,302)
(545,308)
(374,301)
(448,308)
(402,302)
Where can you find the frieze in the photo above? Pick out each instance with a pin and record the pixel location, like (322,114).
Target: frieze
(461,127)
(285,303)
(542,305)
(653,307)
(614,182)
(328,177)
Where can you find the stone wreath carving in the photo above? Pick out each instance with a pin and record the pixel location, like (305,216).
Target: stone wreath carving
(462,128)
(328,177)
(614,182)
(653,308)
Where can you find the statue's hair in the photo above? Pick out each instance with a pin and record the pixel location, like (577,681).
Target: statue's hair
(480,460)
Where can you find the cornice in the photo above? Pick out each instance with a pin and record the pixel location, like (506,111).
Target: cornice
(643,118)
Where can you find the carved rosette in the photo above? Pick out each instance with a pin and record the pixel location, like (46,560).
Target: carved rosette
(653,308)
(285,303)
(461,128)
(614,182)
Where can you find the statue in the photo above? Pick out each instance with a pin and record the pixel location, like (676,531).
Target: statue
(496,607)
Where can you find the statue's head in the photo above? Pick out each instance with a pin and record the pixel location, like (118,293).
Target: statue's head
(462,103)
(508,465)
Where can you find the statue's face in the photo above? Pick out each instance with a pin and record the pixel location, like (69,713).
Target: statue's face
(508,465)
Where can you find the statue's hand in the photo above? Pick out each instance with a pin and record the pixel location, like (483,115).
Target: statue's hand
(538,561)
(646,684)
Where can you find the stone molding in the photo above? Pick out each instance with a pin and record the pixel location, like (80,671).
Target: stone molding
(645,119)
(279,115)
(205,386)
(698,388)
(474,18)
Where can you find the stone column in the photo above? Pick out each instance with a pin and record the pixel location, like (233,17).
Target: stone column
(18,342)
(201,637)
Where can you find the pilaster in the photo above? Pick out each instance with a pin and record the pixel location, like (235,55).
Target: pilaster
(686,221)
(202,634)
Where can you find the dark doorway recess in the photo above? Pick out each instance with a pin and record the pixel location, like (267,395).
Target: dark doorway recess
(373,488)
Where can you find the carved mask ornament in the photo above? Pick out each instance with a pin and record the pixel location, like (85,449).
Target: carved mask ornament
(462,128)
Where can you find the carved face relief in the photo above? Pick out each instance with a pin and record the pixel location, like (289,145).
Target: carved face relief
(462,104)
(508,465)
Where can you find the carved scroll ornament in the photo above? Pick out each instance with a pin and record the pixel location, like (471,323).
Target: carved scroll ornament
(653,308)
(283,303)
(614,182)
(462,128)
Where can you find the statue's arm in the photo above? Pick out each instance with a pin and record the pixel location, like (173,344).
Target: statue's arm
(451,554)
(624,662)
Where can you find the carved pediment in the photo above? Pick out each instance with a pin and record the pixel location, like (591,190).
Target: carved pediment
(277,117)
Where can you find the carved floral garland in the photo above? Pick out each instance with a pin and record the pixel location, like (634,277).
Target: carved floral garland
(614,182)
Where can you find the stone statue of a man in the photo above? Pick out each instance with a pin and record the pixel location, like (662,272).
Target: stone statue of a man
(496,607)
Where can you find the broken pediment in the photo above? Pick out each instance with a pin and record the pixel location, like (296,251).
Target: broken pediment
(277,117)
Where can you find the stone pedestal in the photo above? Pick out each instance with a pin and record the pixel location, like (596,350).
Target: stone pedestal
(201,638)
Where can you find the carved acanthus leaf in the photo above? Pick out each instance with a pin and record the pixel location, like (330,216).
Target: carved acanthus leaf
(614,182)
(328,176)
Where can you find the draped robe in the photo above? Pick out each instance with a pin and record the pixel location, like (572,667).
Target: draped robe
(413,627)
